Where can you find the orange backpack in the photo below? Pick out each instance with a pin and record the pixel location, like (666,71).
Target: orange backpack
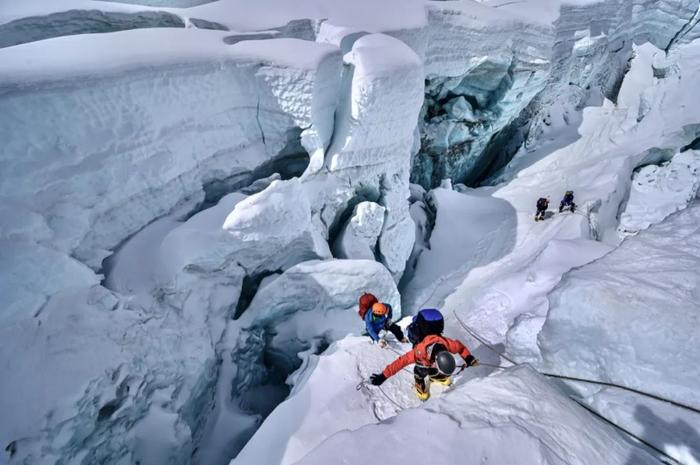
(366,302)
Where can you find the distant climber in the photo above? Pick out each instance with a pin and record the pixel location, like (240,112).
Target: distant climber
(432,354)
(567,202)
(377,317)
(542,205)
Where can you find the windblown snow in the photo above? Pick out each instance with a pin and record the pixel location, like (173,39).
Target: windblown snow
(194,194)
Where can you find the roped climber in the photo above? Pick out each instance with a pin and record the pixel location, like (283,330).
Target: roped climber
(567,202)
(432,356)
(542,205)
(377,318)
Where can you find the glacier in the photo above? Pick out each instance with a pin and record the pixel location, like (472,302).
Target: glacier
(194,194)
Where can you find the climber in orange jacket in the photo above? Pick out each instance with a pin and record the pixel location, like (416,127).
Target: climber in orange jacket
(432,357)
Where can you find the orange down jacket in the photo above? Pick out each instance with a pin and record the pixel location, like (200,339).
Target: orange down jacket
(420,355)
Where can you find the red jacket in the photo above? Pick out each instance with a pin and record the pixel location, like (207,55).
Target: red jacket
(420,354)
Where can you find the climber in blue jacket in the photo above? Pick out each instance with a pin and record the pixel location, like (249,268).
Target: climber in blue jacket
(379,319)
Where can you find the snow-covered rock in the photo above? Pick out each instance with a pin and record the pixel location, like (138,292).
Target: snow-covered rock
(659,190)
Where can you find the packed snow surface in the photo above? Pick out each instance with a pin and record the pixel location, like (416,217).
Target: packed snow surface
(501,418)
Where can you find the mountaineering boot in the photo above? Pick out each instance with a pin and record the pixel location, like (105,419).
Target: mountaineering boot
(422,393)
(444,381)
(382,343)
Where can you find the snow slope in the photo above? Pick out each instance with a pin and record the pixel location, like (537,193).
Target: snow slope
(500,418)
(598,166)
(639,304)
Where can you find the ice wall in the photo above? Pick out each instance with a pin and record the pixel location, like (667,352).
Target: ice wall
(99,142)
(101,159)
(369,158)
(482,69)
(530,67)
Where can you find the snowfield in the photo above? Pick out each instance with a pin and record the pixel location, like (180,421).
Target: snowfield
(194,194)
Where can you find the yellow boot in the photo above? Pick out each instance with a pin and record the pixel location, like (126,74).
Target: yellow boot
(422,393)
(444,381)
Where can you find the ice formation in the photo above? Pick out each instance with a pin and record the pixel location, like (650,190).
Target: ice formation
(359,236)
(193,195)
(659,190)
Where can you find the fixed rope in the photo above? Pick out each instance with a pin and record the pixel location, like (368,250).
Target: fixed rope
(396,404)
(628,432)
(573,378)
(552,375)
(364,383)
(583,404)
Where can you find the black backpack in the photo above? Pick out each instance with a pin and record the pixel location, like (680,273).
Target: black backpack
(428,321)
(542,204)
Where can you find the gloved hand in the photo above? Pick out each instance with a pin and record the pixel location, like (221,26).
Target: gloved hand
(382,343)
(377,379)
(471,361)
(404,340)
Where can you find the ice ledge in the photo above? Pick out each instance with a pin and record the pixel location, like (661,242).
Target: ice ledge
(96,54)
